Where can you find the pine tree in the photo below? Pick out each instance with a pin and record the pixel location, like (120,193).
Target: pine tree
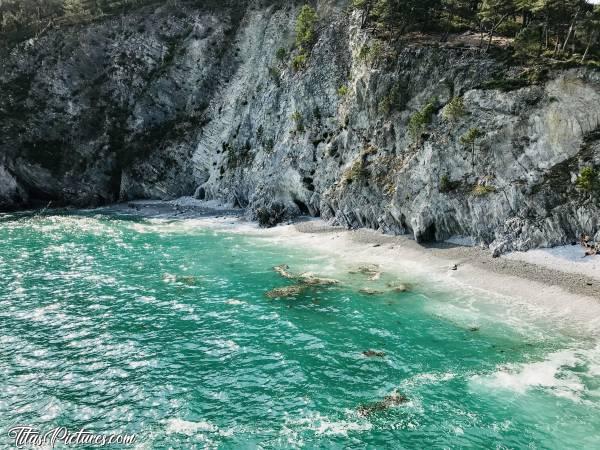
(384,14)
(590,29)
(366,6)
(305,27)
(459,12)
(493,13)
(400,15)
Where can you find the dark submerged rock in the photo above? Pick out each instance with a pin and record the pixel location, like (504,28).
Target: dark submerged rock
(389,401)
(373,354)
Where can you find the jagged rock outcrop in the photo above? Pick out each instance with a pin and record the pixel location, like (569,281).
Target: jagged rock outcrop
(167,102)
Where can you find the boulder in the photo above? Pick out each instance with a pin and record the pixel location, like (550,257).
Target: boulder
(285,292)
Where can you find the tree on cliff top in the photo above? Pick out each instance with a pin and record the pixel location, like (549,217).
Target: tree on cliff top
(590,30)
(493,13)
(398,15)
(306,28)
(567,27)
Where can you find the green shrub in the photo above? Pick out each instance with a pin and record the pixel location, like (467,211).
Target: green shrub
(363,53)
(357,171)
(527,44)
(393,100)
(305,27)
(317,113)
(298,120)
(505,84)
(275,75)
(587,179)
(343,91)
(419,120)
(509,28)
(482,190)
(299,61)
(359,4)
(269,145)
(469,139)
(281,54)
(447,185)
(535,75)
(593,63)
(454,110)
(371,53)
(385,105)
(471,136)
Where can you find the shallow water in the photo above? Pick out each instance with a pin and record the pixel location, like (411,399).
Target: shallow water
(162,328)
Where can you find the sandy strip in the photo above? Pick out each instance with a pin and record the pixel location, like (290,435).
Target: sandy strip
(567,294)
(568,258)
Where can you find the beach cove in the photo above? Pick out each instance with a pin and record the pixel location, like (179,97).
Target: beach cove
(156,320)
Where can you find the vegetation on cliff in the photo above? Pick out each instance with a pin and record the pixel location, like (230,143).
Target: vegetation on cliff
(557,28)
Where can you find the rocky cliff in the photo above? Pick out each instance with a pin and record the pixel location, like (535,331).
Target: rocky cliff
(166,102)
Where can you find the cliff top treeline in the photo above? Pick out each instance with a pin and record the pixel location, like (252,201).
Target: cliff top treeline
(557,28)
(549,27)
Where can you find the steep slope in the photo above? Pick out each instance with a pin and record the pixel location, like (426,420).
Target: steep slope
(164,103)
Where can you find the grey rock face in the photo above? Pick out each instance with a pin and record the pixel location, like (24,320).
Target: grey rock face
(160,104)
(11,193)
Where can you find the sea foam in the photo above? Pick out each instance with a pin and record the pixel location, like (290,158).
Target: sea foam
(561,373)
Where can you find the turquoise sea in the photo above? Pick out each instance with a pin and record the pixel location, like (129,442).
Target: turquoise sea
(161,327)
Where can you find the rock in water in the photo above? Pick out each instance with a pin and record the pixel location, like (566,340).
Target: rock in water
(312,280)
(373,354)
(283,270)
(235,302)
(375,276)
(284,292)
(304,278)
(304,281)
(371,271)
(369,291)
(389,401)
(190,280)
(367,269)
(398,287)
